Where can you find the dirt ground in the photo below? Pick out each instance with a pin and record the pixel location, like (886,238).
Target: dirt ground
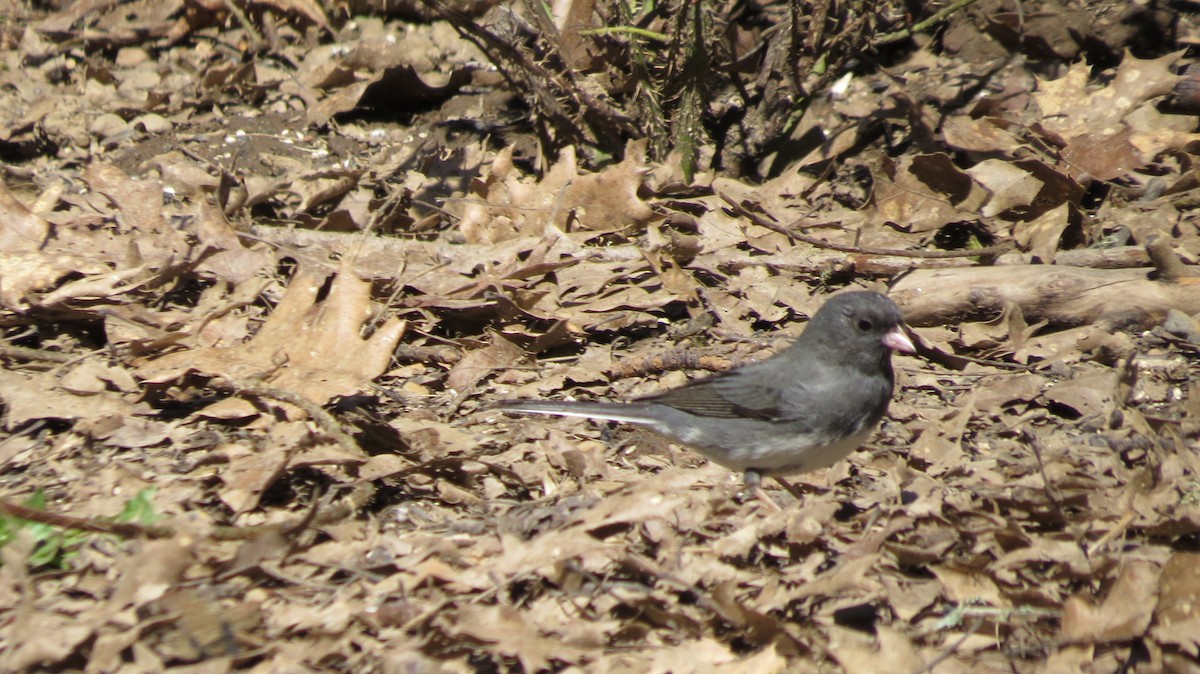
(264,267)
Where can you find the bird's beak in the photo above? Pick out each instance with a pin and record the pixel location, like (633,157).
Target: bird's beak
(896,340)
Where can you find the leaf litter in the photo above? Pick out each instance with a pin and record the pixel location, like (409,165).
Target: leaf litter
(291,330)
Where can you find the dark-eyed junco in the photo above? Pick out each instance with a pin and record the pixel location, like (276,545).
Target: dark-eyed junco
(802,409)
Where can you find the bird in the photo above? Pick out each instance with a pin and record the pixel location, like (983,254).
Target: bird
(802,409)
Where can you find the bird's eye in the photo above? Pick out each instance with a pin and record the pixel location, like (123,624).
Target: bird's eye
(864,324)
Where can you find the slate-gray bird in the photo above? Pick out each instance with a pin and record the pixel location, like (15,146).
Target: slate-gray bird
(804,408)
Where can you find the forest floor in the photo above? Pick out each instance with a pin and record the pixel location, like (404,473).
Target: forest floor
(263,270)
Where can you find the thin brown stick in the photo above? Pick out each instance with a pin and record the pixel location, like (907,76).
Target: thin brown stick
(27,353)
(903,33)
(860,250)
(949,651)
(324,419)
(123,529)
(1035,446)
(358,497)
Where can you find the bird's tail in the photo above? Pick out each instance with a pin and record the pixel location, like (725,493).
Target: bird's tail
(633,413)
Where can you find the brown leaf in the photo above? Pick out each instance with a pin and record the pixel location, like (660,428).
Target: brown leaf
(511,633)
(232,261)
(511,206)
(39,396)
(1095,122)
(1125,612)
(313,348)
(1177,615)
(902,195)
(20,228)
(479,363)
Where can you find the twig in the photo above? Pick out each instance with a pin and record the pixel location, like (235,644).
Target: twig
(546,85)
(949,650)
(921,25)
(1035,445)
(26,353)
(256,38)
(631,30)
(331,426)
(1117,529)
(860,250)
(442,466)
(1137,486)
(358,497)
(98,526)
(998,613)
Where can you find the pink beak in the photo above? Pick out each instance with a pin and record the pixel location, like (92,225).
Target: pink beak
(896,340)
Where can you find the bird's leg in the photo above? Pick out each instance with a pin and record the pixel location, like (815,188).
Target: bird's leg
(791,489)
(752,480)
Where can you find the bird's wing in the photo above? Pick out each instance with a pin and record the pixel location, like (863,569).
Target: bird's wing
(739,394)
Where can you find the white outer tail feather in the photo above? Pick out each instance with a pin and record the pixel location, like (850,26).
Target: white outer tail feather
(581,410)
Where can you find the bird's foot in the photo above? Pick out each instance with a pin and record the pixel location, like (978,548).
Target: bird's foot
(752,483)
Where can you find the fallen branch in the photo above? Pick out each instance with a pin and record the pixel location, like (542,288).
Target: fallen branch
(1063,296)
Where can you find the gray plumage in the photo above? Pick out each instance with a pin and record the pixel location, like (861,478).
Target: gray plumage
(804,408)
